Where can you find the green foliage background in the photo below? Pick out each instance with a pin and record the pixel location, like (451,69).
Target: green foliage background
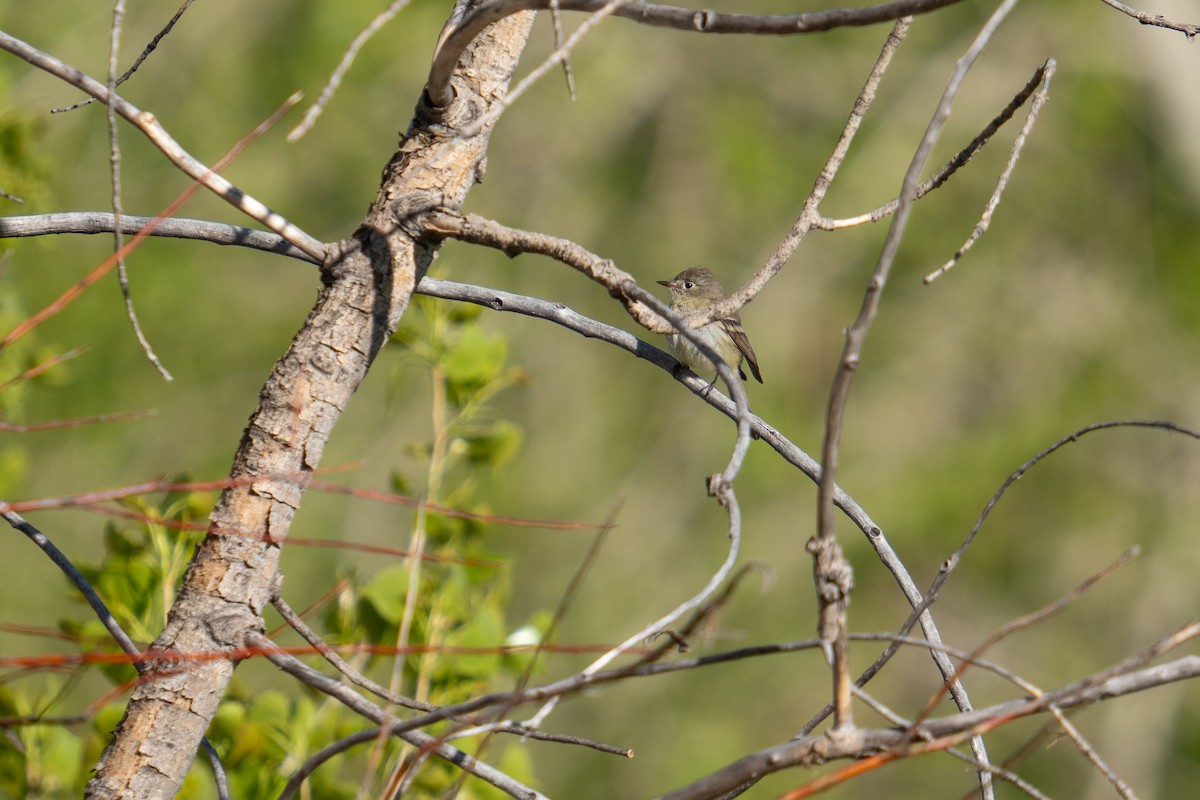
(1081,304)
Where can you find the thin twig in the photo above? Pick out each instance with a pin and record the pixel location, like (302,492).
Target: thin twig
(953,561)
(102,269)
(810,215)
(337,662)
(957,162)
(114,164)
(1157,20)
(832,574)
(559,56)
(41,367)
(1091,754)
(335,78)
(556,27)
(985,219)
(77,578)
(146,51)
(33,427)
(569,594)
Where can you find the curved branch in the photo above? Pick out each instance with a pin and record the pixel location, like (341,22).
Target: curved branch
(952,562)
(456,39)
(80,582)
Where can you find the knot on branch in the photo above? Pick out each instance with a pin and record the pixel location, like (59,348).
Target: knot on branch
(681,644)
(623,290)
(457,112)
(433,110)
(838,742)
(832,573)
(339,260)
(411,211)
(719,488)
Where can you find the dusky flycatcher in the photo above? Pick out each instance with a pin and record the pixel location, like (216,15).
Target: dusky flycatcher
(694,290)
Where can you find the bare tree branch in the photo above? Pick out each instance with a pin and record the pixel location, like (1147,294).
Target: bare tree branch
(985,220)
(1157,20)
(335,78)
(952,166)
(148,125)
(953,561)
(146,51)
(456,37)
(93,222)
(68,568)
(337,662)
(512,241)
(114,159)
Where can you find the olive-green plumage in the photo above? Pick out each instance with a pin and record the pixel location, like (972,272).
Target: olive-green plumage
(694,290)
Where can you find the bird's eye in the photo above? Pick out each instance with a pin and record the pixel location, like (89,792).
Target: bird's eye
(689,285)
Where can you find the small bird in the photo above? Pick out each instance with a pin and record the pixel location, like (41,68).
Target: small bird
(694,290)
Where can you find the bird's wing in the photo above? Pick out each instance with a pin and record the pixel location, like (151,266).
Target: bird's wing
(733,326)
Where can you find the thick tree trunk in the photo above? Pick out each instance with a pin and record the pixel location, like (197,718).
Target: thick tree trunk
(367,282)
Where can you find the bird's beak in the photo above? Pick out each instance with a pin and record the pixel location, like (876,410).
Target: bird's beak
(665,283)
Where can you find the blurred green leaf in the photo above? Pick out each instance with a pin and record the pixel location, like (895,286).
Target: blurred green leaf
(386,593)
(477,357)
